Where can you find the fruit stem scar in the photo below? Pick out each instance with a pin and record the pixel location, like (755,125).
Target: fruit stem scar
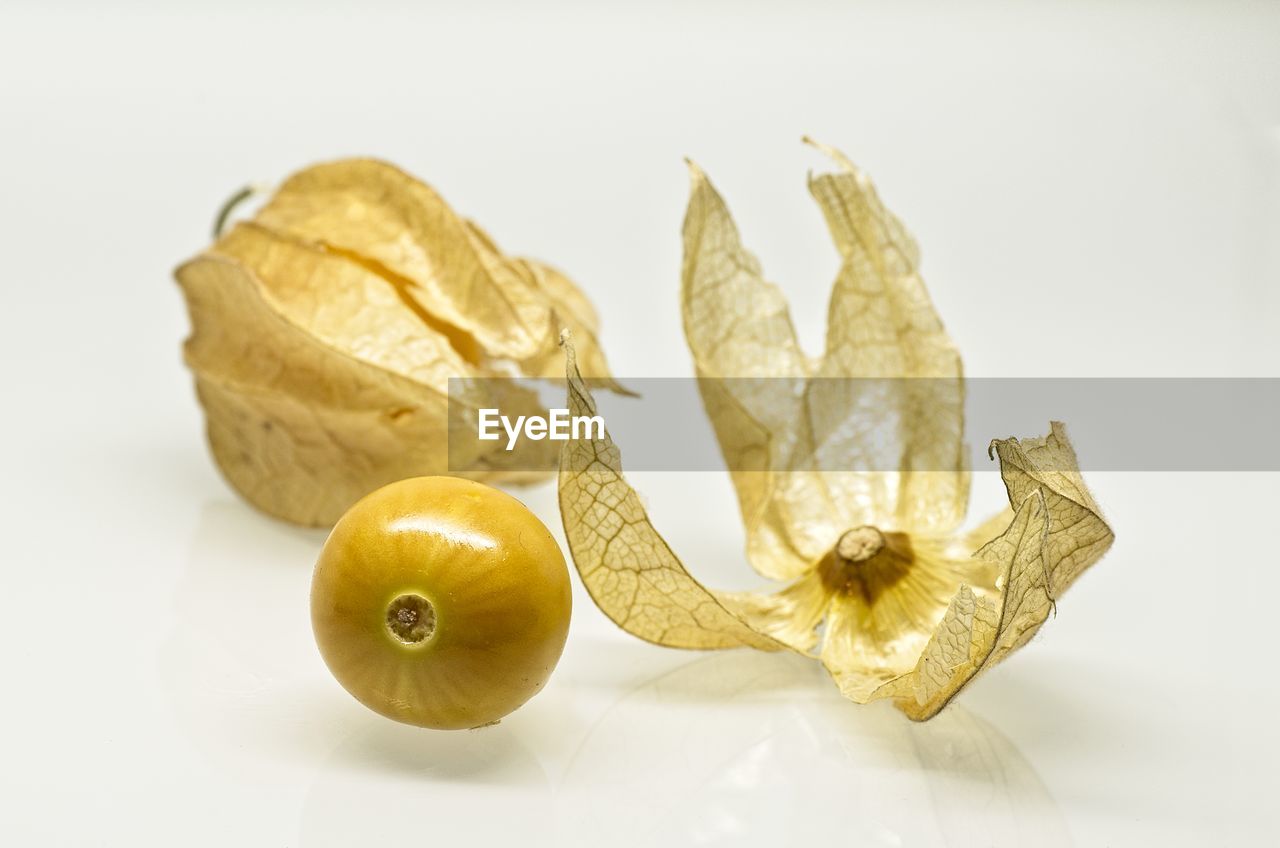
(411,619)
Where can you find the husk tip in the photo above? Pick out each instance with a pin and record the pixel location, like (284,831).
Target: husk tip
(696,174)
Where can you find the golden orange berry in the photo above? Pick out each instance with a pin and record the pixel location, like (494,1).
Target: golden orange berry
(441,602)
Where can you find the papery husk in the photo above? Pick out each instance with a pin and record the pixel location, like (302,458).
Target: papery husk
(326,329)
(936,604)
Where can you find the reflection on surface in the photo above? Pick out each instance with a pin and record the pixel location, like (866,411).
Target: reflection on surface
(238,660)
(391,784)
(629,744)
(746,745)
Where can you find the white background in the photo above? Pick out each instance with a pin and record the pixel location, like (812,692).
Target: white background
(1096,188)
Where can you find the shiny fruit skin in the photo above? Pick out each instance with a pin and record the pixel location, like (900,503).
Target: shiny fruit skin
(493,576)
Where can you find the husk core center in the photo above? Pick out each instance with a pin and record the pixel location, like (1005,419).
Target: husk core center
(866,561)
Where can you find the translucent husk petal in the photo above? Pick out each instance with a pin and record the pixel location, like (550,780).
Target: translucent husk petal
(913,620)
(627,567)
(326,329)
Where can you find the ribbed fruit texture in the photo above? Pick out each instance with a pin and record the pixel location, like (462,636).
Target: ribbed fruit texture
(441,602)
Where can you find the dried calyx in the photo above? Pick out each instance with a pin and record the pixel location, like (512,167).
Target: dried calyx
(911,614)
(327,328)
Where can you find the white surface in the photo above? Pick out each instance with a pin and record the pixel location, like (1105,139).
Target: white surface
(1112,173)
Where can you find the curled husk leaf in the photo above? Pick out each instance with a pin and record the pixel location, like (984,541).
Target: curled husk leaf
(325,331)
(882,584)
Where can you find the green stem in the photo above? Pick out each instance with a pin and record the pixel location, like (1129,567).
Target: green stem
(232,202)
